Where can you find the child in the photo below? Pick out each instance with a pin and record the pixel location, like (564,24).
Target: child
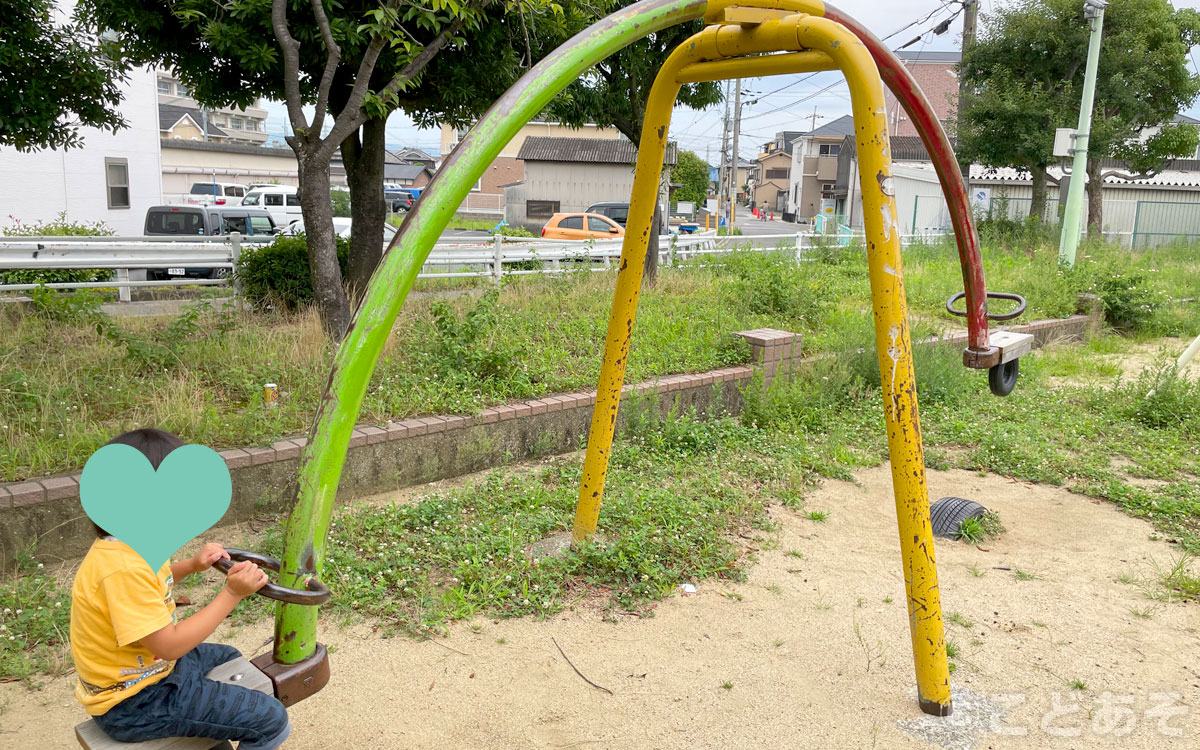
(142,676)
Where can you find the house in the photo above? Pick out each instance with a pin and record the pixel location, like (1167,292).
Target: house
(488,194)
(814,169)
(747,174)
(771,183)
(1136,211)
(186,162)
(184,123)
(225,123)
(112,178)
(937,75)
(570,174)
(407,175)
(411,155)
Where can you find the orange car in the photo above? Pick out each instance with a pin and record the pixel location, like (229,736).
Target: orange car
(581,227)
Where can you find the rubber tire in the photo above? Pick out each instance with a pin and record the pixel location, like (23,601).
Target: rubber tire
(948,513)
(1002,379)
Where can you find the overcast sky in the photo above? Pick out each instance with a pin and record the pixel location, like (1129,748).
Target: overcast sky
(781,102)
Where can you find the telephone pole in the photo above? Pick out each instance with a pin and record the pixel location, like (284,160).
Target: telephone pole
(970,15)
(723,178)
(1093,11)
(733,179)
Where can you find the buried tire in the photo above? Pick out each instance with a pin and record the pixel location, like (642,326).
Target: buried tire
(948,513)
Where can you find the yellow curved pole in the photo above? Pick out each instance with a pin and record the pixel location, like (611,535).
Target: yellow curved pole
(892,337)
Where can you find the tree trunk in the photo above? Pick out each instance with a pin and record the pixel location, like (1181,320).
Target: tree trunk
(1095,193)
(1038,208)
(364,160)
(315,206)
(650,268)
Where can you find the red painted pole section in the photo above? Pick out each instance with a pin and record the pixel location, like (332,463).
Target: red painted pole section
(897,78)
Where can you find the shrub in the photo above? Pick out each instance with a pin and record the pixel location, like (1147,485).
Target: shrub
(1160,397)
(463,346)
(58,227)
(278,273)
(1130,303)
(511,230)
(341,202)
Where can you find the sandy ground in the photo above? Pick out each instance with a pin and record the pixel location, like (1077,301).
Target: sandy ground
(811,652)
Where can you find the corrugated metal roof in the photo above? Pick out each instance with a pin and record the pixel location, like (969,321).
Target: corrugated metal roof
(586,150)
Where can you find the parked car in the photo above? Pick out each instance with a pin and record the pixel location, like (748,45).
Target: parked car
(618,212)
(281,201)
(581,227)
(341,227)
(217,193)
(398,201)
(184,221)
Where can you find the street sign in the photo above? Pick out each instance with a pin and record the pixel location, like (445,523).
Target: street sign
(1064,142)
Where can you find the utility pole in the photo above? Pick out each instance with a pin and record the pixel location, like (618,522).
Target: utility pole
(1093,11)
(722,177)
(736,158)
(815,117)
(970,15)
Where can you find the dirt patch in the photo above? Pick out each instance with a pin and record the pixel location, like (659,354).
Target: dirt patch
(1153,354)
(812,651)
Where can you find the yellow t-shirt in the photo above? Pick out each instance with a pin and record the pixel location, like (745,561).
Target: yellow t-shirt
(117,600)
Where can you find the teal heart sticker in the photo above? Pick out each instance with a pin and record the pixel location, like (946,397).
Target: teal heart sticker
(155,512)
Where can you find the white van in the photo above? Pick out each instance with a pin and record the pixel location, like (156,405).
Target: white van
(281,201)
(216,193)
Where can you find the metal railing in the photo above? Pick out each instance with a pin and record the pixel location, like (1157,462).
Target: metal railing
(492,257)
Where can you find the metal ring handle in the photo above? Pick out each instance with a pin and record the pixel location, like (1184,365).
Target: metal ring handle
(317,592)
(991,295)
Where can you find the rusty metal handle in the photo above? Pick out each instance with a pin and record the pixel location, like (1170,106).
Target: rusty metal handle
(991,295)
(317,592)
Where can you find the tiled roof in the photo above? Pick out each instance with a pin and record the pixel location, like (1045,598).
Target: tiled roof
(587,150)
(844,125)
(169,114)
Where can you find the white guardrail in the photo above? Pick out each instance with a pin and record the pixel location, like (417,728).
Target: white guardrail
(493,257)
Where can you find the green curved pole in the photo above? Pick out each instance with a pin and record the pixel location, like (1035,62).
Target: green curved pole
(354,363)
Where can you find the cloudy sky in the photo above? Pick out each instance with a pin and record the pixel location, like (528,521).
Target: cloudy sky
(782,102)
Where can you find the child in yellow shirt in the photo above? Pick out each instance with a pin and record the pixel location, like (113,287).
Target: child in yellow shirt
(142,674)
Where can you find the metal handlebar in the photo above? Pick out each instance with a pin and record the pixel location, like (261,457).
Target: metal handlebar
(991,295)
(316,593)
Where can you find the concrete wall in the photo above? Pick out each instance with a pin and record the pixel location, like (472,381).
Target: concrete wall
(182,167)
(416,451)
(38,186)
(574,185)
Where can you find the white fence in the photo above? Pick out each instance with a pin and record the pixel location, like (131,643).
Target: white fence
(493,257)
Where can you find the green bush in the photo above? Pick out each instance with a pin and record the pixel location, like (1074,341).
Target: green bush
(464,346)
(278,273)
(511,230)
(341,202)
(59,227)
(1130,302)
(774,283)
(1160,397)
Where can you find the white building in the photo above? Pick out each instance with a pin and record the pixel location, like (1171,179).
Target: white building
(113,177)
(181,117)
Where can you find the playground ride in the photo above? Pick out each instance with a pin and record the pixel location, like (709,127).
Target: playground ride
(742,39)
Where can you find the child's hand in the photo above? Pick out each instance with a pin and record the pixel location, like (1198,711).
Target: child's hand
(208,554)
(244,578)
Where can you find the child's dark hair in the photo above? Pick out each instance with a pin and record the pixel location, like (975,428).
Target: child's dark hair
(153,443)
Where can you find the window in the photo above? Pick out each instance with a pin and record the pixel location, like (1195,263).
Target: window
(777,174)
(293,199)
(273,199)
(235,123)
(251,199)
(205,188)
(597,224)
(181,90)
(261,225)
(795,194)
(571,222)
(830,149)
(541,209)
(476,189)
(235,192)
(174,222)
(116,178)
(232,224)
(164,87)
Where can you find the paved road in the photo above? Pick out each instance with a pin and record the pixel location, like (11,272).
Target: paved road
(750,225)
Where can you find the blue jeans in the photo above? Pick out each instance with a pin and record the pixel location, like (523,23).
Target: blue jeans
(188,704)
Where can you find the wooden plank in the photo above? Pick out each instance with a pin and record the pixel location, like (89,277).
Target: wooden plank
(1012,345)
(237,672)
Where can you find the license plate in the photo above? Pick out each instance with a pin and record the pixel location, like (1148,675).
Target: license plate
(176,271)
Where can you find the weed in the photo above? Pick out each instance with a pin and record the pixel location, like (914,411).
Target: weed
(820,516)
(501,641)
(1178,581)
(952,649)
(778,642)
(1078,684)
(34,622)
(873,654)
(1145,613)
(727,686)
(795,553)
(887,599)
(983,528)
(1022,575)
(975,571)
(959,620)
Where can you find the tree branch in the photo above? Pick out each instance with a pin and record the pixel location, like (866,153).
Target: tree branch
(291,65)
(333,58)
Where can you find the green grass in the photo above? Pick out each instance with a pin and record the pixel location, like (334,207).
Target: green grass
(976,530)
(457,222)
(959,620)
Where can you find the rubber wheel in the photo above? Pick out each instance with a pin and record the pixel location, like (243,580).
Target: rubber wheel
(948,513)
(1002,379)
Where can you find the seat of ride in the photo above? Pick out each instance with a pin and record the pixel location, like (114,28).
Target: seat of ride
(237,672)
